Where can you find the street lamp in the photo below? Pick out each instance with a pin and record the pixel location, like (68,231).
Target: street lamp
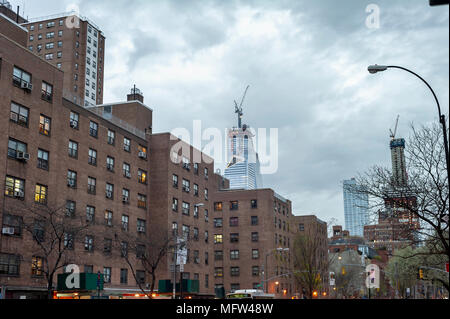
(379,68)
(265,265)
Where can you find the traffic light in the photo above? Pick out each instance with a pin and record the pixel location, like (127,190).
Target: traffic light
(420,273)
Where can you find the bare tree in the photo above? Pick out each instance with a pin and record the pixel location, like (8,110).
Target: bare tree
(310,261)
(425,195)
(144,253)
(54,233)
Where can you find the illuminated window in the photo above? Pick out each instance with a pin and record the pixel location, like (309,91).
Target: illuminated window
(142,176)
(40,194)
(44,125)
(37,265)
(218,239)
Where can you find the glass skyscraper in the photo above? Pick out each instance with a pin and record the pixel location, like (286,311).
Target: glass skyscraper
(356,206)
(243,169)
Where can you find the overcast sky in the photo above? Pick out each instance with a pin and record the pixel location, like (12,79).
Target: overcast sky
(306,64)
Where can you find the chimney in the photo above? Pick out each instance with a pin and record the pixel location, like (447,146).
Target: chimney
(135,95)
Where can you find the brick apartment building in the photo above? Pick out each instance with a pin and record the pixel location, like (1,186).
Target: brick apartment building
(76,46)
(251,239)
(316,229)
(103,166)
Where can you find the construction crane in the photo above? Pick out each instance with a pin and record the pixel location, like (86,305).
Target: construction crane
(238,108)
(395,129)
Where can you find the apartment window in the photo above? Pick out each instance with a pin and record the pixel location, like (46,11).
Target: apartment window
(20,76)
(196,233)
(31,37)
(126,144)
(93,129)
(125,223)
(142,176)
(13,224)
(123,276)
(73,149)
(74,120)
(110,163)
(234,205)
(88,243)
(19,114)
(40,194)
(195,190)
(206,172)
(140,251)
(301,227)
(218,222)
(142,151)
(40,26)
(174,228)
(140,277)
(234,238)
(141,226)
(186,185)
(124,249)
(142,201)
(50,35)
(89,269)
(60,44)
(109,191)
(59,54)
(234,271)
(175,204)
(126,170)
(255,253)
(92,184)
(39,230)
(44,125)
(70,208)
(47,91)
(186,163)
(234,254)
(59,65)
(185,208)
(234,221)
(60,33)
(196,168)
(255,270)
(218,255)
(37,266)
(40,37)
(254,203)
(206,216)
(9,264)
(14,187)
(107,274)
(206,236)
(218,272)
(196,257)
(71,179)
(255,236)
(196,209)
(30,48)
(111,137)
(206,194)
(16,149)
(125,196)
(32,27)
(49,45)
(50,24)
(39,47)
(92,157)
(90,214)
(254,220)
(175,180)
(108,218)
(218,206)
(218,239)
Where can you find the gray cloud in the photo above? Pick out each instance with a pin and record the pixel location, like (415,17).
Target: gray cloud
(306,63)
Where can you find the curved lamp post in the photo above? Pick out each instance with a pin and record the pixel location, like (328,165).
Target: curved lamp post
(379,68)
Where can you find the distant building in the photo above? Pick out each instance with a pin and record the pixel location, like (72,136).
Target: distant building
(356,206)
(75,45)
(399,176)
